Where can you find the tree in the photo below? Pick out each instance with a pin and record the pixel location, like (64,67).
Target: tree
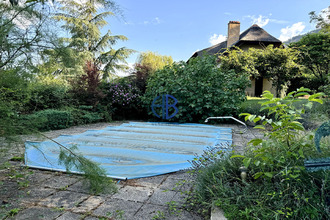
(22,34)
(277,64)
(315,53)
(154,61)
(86,44)
(322,20)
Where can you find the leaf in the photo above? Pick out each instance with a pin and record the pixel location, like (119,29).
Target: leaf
(317,100)
(267,95)
(255,142)
(257,163)
(259,127)
(257,175)
(268,174)
(251,117)
(301,153)
(301,94)
(237,155)
(247,162)
(302,89)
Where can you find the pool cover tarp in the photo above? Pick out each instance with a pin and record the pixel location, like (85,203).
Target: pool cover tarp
(133,150)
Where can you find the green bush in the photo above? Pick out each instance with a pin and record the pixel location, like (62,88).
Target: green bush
(122,100)
(277,185)
(49,119)
(47,96)
(84,115)
(201,88)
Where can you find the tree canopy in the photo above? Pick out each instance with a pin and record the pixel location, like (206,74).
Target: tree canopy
(277,64)
(154,61)
(84,22)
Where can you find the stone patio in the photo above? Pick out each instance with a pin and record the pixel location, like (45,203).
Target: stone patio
(41,194)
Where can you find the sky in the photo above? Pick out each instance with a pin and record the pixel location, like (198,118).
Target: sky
(178,28)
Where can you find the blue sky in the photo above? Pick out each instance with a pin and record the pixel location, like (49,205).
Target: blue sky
(178,28)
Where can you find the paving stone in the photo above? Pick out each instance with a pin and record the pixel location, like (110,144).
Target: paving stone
(60,182)
(179,199)
(38,177)
(65,199)
(181,175)
(171,183)
(69,216)
(161,197)
(130,193)
(79,187)
(89,204)
(33,195)
(115,208)
(38,213)
(91,218)
(151,182)
(150,211)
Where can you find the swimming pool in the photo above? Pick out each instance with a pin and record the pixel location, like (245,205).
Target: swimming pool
(135,149)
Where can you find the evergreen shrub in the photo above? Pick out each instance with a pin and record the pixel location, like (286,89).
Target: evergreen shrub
(201,88)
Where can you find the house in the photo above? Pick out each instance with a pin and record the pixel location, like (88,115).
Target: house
(255,37)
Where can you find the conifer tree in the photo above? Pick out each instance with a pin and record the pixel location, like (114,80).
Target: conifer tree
(84,20)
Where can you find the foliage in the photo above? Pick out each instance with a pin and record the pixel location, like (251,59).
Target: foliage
(12,100)
(21,35)
(322,19)
(201,88)
(46,96)
(48,119)
(154,61)
(286,115)
(277,184)
(86,43)
(322,131)
(84,115)
(85,88)
(314,55)
(276,64)
(93,173)
(140,76)
(123,99)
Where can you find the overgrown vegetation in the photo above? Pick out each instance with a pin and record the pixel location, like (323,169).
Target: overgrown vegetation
(277,185)
(201,88)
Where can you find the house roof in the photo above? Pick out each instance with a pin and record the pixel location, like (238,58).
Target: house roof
(256,33)
(252,34)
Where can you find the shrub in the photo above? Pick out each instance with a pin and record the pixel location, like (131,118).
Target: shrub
(86,88)
(201,88)
(277,185)
(49,119)
(84,115)
(123,99)
(47,96)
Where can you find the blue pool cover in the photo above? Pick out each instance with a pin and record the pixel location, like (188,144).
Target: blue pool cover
(133,150)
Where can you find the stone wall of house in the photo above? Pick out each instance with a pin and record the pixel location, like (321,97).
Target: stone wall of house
(267,85)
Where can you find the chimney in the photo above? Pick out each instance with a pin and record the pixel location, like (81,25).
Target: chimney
(233,32)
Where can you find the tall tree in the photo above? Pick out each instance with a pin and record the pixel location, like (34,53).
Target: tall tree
(21,34)
(84,21)
(315,53)
(154,61)
(322,20)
